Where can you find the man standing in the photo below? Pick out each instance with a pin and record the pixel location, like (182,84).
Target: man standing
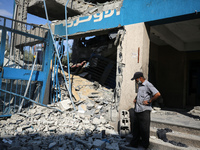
(39,49)
(147,93)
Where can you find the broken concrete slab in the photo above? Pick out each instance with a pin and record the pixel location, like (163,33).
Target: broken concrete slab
(64,105)
(82,108)
(99,144)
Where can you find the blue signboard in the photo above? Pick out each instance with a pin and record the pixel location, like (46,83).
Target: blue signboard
(131,12)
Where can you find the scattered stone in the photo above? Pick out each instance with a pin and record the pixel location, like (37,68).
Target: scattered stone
(82,108)
(19,129)
(99,144)
(90,105)
(96,121)
(7,141)
(51,145)
(112,146)
(64,105)
(197,108)
(156,108)
(42,128)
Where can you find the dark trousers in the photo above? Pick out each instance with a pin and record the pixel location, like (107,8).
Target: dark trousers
(141,128)
(40,57)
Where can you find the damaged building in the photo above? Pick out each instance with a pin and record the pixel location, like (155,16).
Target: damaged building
(112,39)
(165,50)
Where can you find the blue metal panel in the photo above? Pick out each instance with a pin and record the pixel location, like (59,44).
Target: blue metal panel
(22,74)
(132,11)
(26,98)
(3,116)
(2,50)
(46,64)
(151,10)
(23,33)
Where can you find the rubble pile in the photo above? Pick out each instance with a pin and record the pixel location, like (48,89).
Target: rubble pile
(87,128)
(90,98)
(44,128)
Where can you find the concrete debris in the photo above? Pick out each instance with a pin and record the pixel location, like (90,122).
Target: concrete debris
(65,105)
(51,145)
(43,128)
(195,111)
(82,108)
(99,144)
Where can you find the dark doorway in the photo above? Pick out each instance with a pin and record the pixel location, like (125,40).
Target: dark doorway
(194,83)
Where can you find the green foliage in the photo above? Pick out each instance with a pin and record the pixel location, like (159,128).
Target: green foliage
(28,56)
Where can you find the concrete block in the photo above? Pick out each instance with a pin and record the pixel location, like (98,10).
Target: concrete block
(64,105)
(99,144)
(111,132)
(90,105)
(197,108)
(90,112)
(29,130)
(124,114)
(53,129)
(96,121)
(9,127)
(114,115)
(19,129)
(103,120)
(124,132)
(82,108)
(86,121)
(46,128)
(125,122)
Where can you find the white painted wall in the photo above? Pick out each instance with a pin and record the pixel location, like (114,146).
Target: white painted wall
(136,37)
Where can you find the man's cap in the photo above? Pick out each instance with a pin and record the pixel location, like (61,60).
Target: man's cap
(137,75)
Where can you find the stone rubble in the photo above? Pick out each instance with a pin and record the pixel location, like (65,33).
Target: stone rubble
(43,128)
(195,111)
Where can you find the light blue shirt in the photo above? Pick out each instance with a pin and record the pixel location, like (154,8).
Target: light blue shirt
(38,47)
(145,92)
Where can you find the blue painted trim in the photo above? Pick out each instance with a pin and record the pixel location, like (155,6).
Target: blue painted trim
(23,33)
(68,66)
(22,74)
(131,12)
(3,116)
(14,6)
(46,64)
(2,50)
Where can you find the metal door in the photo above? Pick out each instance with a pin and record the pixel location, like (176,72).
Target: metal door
(18,42)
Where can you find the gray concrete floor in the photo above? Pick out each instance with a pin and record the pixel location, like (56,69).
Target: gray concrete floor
(176,117)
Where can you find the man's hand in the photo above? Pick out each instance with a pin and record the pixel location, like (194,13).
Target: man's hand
(146,102)
(134,101)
